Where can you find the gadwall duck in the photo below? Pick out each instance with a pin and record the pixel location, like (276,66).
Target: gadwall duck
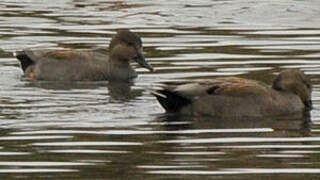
(238,97)
(86,65)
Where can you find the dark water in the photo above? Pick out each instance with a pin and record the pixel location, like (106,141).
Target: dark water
(118,131)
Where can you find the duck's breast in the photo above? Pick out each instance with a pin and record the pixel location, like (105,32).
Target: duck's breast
(283,103)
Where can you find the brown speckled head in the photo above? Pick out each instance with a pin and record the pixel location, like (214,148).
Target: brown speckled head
(132,44)
(126,37)
(294,80)
(122,54)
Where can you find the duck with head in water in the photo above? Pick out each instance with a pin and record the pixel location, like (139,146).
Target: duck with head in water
(86,65)
(290,94)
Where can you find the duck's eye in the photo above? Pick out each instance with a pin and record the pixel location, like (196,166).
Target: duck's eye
(135,58)
(308,86)
(130,43)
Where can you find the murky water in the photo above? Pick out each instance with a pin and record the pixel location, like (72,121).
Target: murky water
(118,131)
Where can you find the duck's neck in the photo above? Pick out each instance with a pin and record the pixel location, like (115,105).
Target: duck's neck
(287,102)
(120,69)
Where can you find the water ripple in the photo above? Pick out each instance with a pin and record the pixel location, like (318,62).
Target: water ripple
(241,171)
(37,170)
(91,143)
(139,132)
(243,140)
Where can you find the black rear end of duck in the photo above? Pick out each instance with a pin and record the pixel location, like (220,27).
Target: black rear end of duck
(171,101)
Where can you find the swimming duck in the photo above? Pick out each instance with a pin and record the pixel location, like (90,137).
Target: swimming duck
(238,97)
(86,65)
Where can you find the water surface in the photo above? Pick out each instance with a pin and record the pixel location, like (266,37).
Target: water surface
(119,131)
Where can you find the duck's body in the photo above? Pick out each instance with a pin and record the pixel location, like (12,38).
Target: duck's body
(86,65)
(237,97)
(73,65)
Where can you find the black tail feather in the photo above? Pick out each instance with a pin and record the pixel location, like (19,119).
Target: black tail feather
(24,60)
(171,101)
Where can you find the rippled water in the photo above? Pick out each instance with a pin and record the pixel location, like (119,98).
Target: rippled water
(118,131)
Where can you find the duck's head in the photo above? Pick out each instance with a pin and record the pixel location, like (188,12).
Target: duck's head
(295,81)
(127,46)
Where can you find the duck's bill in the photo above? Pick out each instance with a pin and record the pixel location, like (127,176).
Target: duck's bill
(142,62)
(308,105)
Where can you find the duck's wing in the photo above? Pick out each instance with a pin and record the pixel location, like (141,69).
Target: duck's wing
(101,50)
(230,86)
(174,97)
(31,57)
(60,54)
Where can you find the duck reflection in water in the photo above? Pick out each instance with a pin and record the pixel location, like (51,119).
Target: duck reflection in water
(122,91)
(203,126)
(117,91)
